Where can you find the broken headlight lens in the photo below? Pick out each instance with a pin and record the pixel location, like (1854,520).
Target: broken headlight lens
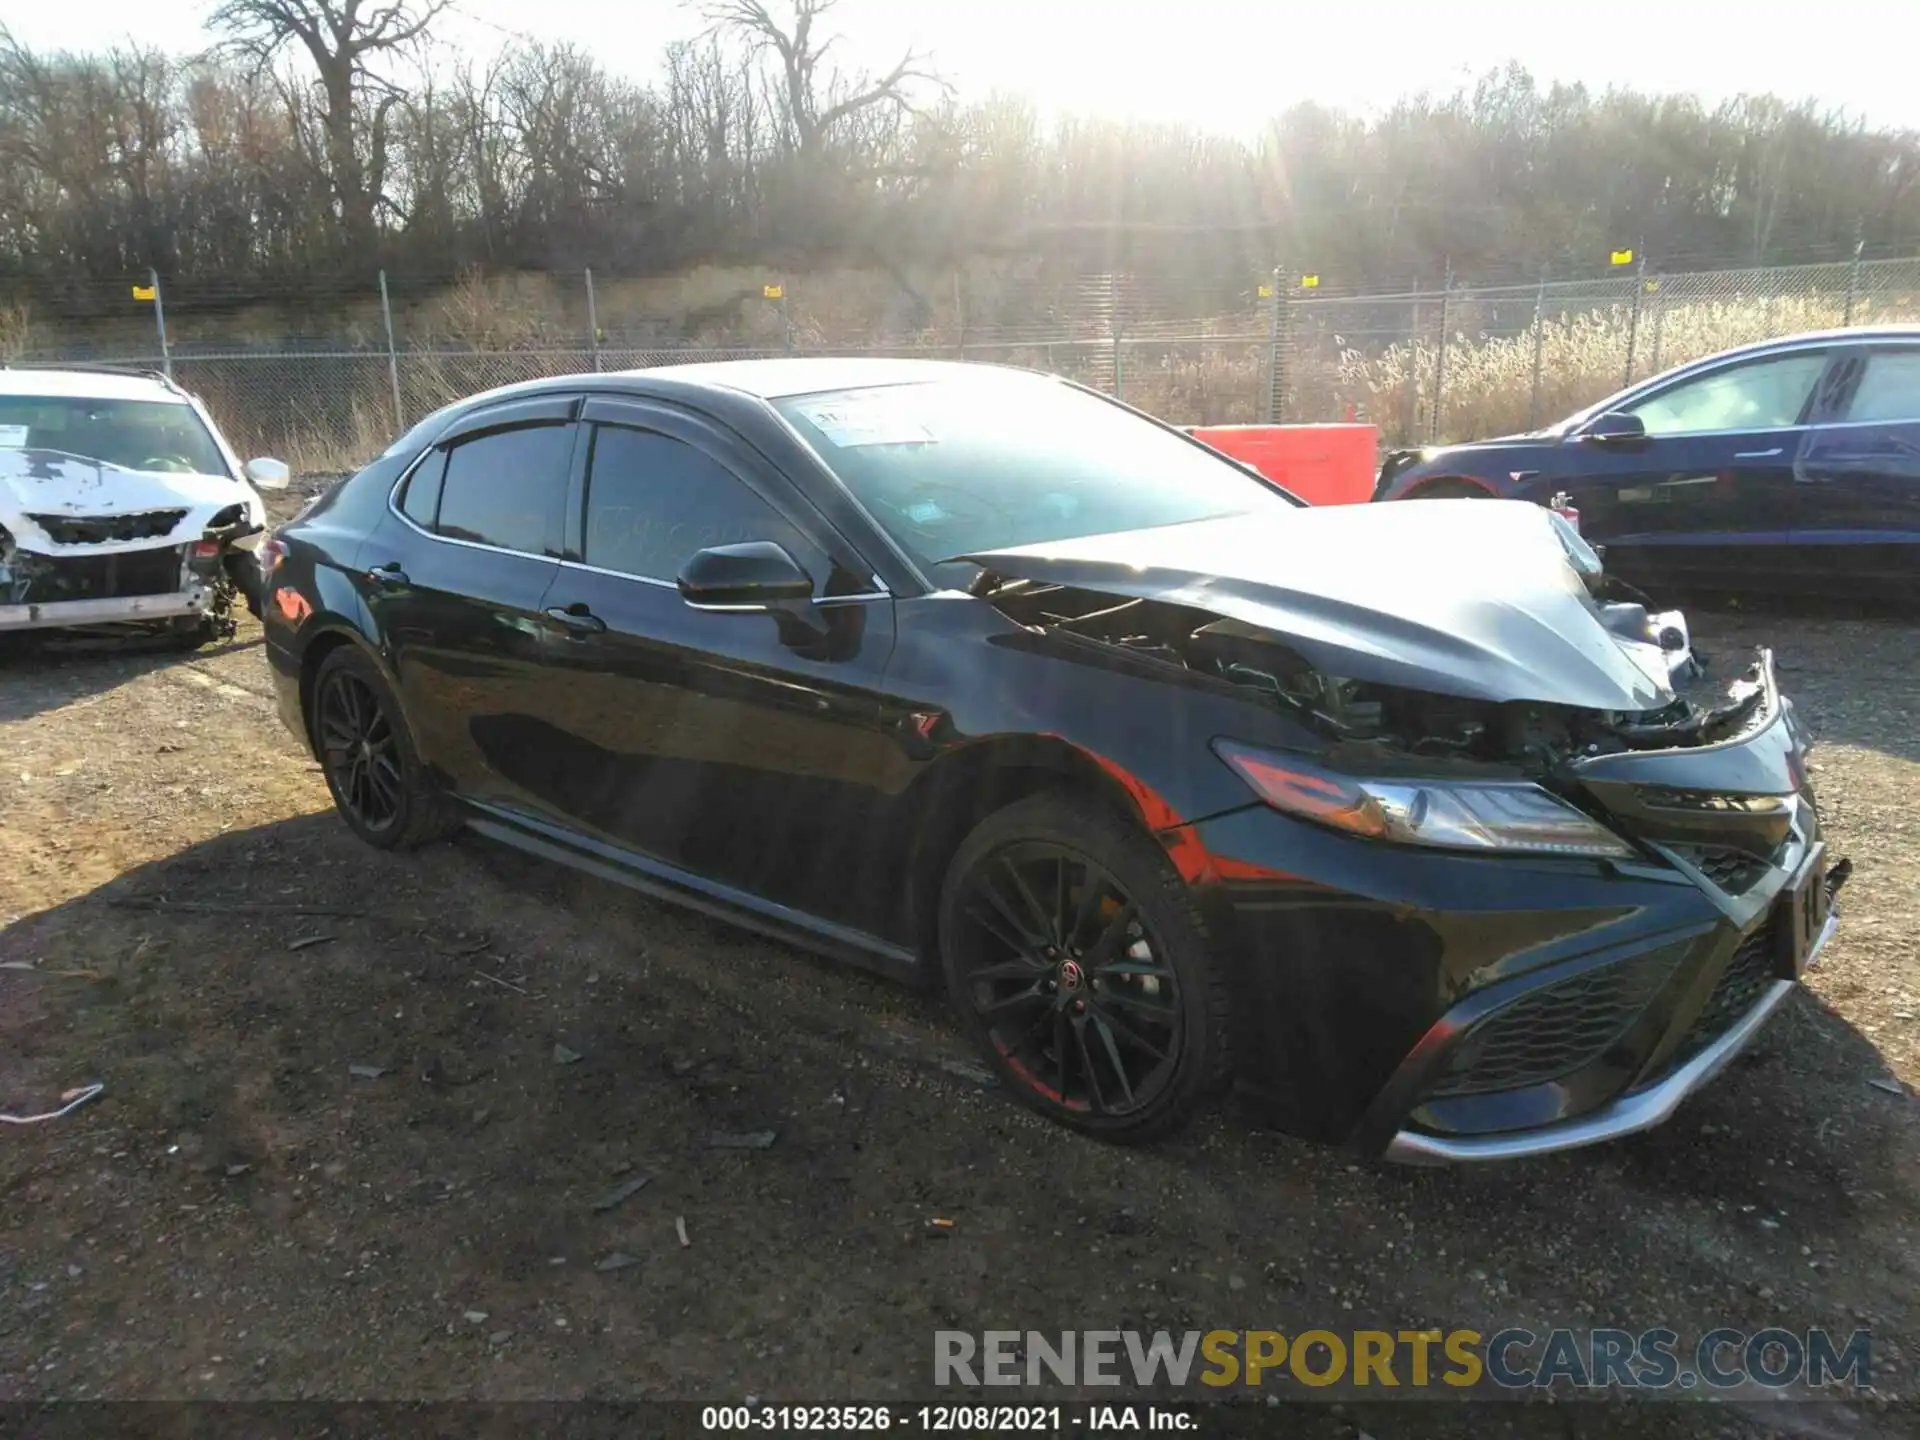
(1495,817)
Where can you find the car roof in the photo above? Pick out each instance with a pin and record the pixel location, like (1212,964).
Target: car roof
(1856,333)
(756,380)
(778,378)
(88,385)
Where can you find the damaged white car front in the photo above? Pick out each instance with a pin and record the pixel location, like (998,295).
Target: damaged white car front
(94,538)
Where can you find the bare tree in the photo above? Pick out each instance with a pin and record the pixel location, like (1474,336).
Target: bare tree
(815,103)
(714,140)
(342,39)
(272,167)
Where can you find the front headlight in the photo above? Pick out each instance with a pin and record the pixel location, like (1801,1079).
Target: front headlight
(1504,816)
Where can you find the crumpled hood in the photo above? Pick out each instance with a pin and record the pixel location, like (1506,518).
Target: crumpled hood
(52,482)
(1476,598)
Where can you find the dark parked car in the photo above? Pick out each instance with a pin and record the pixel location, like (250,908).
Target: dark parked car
(1790,466)
(970,673)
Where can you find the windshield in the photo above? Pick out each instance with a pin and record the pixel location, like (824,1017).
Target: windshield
(957,466)
(134,434)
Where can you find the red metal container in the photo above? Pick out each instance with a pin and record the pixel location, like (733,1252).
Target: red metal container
(1322,464)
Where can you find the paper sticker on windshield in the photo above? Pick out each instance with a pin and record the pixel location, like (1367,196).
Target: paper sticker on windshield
(850,424)
(13,437)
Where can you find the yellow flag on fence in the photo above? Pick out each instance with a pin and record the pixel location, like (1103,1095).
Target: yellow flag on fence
(774,292)
(1623,257)
(143,292)
(1309,282)
(1266,292)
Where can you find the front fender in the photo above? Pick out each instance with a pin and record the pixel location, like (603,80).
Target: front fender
(1143,727)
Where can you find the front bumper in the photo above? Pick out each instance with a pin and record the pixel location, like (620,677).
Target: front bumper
(121,609)
(1432,1007)
(1638,1110)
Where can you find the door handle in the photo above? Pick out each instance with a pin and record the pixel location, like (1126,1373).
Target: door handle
(577,618)
(388,574)
(1758,454)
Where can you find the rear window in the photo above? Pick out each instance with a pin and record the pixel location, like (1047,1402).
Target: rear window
(161,435)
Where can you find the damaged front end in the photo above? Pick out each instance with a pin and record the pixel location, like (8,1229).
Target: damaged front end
(1583,877)
(1372,720)
(1415,766)
(1459,712)
(1376,686)
(185,589)
(87,549)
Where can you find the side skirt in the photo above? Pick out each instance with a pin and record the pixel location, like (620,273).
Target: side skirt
(695,892)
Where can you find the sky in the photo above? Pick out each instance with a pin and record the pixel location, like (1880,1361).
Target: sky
(1223,65)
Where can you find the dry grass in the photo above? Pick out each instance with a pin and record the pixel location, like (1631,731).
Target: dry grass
(711,305)
(326,413)
(1489,386)
(317,451)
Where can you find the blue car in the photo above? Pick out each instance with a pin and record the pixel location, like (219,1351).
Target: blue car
(1788,466)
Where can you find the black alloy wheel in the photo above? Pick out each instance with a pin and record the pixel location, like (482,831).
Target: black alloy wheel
(358,749)
(366,752)
(1081,968)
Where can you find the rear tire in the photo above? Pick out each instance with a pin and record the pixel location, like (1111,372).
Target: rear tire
(1082,970)
(367,753)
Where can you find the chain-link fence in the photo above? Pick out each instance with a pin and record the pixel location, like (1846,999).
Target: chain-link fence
(1463,362)
(1447,364)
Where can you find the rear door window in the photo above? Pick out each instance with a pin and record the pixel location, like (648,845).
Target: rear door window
(508,489)
(1889,389)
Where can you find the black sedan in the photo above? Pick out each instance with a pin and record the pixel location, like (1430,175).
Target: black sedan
(970,673)
(1791,467)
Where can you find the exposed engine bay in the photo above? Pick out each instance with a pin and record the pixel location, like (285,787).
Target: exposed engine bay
(1474,631)
(1386,719)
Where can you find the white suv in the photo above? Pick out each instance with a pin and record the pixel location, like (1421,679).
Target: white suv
(121,506)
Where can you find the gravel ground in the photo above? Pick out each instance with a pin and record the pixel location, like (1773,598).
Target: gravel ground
(359,1111)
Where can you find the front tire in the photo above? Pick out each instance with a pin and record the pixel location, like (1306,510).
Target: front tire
(366,752)
(1082,970)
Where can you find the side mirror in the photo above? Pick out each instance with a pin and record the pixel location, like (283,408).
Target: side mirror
(269,474)
(1617,427)
(756,575)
